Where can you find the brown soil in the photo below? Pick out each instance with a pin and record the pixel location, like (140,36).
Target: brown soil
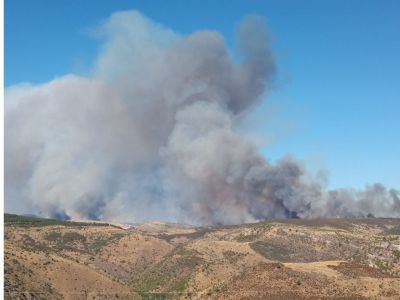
(280,259)
(355,270)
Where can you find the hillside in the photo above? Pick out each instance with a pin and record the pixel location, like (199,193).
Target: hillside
(279,259)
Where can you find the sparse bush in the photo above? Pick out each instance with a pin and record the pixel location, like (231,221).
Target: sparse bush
(53,236)
(232,256)
(70,237)
(393,231)
(27,221)
(171,274)
(243,238)
(396,254)
(97,245)
(271,251)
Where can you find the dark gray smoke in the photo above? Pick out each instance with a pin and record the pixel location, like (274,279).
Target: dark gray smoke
(152,135)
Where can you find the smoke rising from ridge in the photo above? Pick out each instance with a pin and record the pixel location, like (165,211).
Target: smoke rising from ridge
(151,135)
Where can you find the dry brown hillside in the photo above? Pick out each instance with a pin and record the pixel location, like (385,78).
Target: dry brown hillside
(280,259)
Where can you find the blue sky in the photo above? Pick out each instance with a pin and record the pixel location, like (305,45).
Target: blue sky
(337,103)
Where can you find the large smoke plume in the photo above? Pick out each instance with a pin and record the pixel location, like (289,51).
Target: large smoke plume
(152,134)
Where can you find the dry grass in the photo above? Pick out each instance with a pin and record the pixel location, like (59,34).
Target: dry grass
(283,259)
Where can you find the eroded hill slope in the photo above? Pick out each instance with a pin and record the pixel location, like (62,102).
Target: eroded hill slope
(281,259)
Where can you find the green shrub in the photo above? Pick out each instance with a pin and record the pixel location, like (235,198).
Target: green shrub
(27,221)
(242,238)
(271,251)
(393,231)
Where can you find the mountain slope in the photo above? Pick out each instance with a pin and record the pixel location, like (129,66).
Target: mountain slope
(279,259)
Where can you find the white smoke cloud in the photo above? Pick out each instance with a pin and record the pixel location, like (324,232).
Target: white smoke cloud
(151,135)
